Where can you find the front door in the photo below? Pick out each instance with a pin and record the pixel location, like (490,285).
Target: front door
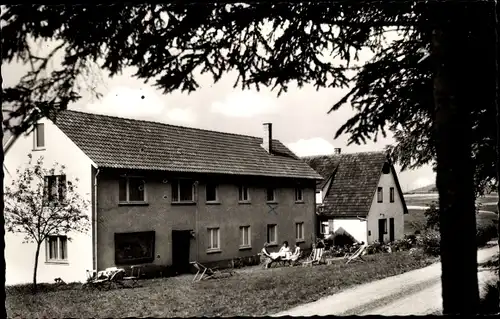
(391,229)
(381,229)
(181,241)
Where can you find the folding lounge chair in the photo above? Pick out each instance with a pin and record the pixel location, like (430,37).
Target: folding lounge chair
(357,254)
(315,258)
(204,272)
(134,275)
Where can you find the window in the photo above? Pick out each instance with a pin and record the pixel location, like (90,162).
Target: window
(243,194)
(131,189)
(39,136)
(323,228)
(299,231)
(383,225)
(245,237)
(57,248)
(272,234)
(211,192)
(391,194)
(182,191)
(54,188)
(270,195)
(213,239)
(132,248)
(299,196)
(380,195)
(386,169)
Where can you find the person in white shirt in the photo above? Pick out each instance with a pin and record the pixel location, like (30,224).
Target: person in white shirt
(296,253)
(285,251)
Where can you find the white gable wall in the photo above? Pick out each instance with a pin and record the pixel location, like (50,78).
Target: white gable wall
(386,210)
(20,257)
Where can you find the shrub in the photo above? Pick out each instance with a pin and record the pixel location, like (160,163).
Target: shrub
(430,242)
(403,244)
(485,233)
(377,247)
(432,216)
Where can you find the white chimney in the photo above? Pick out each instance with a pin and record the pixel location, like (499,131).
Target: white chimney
(337,151)
(268,137)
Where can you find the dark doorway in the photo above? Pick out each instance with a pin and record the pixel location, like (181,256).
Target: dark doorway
(382,224)
(181,241)
(391,229)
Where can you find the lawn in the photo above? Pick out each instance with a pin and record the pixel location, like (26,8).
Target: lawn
(251,292)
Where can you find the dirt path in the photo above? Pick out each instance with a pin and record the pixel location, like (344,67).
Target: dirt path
(417,292)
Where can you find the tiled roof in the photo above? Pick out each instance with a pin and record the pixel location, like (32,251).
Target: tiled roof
(355,178)
(135,144)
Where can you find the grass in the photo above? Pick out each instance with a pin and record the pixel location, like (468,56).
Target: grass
(252,292)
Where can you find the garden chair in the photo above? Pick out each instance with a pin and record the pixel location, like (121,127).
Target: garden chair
(204,272)
(134,276)
(314,258)
(357,254)
(104,279)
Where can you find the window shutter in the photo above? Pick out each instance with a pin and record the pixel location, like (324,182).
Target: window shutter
(45,189)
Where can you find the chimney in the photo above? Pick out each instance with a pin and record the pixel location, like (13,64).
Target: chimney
(337,151)
(267,137)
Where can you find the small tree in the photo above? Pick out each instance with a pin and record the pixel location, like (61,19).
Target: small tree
(38,207)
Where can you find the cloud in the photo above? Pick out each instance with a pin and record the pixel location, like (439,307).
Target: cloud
(245,104)
(180,115)
(126,101)
(312,146)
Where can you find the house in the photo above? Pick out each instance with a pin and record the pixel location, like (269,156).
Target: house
(163,194)
(359,195)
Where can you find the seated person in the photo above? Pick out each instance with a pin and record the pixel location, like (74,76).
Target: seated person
(296,253)
(285,251)
(266,257)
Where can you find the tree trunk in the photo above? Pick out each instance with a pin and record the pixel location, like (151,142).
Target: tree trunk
(37,254)
(497,13)
(454,179)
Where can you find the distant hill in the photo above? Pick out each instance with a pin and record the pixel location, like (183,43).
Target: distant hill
(424,190)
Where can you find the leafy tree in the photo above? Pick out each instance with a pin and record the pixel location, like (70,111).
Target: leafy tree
(440,100)
(37,211)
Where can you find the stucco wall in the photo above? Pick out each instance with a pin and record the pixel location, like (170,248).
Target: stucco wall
(20,257)
(387,210)
(162,217)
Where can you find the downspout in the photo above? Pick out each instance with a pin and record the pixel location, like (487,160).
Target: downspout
(95,218)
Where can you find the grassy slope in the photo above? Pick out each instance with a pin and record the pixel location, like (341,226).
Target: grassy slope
(416,217)
(253,293)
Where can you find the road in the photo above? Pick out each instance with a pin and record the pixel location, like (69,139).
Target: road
(417,292)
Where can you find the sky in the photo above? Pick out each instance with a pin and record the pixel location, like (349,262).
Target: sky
(299,116)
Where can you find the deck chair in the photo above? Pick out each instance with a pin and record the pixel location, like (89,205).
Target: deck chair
(204,272)
(314,258)
(357,254)
(104,279)
(134,276)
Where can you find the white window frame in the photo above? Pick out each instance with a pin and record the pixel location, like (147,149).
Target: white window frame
(47,250)
(216,193)
(322,226)
(127,190)
(392,195)
(211,247)
(35,137)
(299,226)
(300,191)
(380,194)
(275,241)
(274,195)
(242,188)
(193,191)
(242,236)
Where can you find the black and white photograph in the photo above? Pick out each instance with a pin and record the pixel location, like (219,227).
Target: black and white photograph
(260,158)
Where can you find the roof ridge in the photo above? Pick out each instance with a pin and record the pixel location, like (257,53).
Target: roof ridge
(165,124)
(354,153)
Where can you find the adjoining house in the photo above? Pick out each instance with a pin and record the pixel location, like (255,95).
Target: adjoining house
(163,194)
(360,195)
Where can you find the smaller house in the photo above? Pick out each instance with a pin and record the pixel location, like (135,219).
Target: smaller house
(359,195)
